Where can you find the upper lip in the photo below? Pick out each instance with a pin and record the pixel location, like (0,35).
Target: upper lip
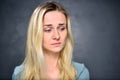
(56,43)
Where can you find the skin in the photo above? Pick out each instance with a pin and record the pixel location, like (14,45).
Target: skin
(54,38)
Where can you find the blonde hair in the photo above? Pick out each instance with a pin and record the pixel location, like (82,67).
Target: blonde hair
(34,60)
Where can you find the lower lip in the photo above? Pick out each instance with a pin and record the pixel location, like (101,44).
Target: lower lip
(56,44)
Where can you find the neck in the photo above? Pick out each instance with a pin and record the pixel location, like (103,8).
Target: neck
(51,60)
(52,69)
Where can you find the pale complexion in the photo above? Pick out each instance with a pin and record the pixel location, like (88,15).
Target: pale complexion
(54,38)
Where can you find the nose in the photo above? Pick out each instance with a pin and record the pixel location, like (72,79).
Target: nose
(56,35)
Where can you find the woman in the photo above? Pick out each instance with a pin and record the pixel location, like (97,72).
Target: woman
(49,47)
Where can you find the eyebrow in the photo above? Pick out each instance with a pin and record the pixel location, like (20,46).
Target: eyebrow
(61,24)
(49,25)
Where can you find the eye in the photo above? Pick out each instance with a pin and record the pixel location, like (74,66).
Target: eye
(47,30)
(61,28)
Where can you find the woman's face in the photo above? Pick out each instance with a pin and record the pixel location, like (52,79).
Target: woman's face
(54,31)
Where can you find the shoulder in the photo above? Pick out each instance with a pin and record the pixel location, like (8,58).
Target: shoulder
(82,71)
(17,71)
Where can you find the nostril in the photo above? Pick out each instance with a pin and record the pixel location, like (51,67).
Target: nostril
(57,37)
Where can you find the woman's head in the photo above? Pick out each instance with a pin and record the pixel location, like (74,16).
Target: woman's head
(54,32)
(49,16)
(49,30)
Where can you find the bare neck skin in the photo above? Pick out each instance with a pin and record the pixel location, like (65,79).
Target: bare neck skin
(51,59)
(52,68)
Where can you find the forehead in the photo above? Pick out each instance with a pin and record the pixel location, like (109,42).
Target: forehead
(54,17)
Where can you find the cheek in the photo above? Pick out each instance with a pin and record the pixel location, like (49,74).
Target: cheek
(64,36)
(46,38)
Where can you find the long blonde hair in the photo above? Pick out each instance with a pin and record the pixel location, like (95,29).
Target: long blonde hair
(34,61)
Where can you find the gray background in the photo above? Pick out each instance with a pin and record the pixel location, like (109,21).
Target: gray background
(96,29)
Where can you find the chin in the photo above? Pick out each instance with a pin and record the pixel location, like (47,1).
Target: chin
(56,50)
(53,49)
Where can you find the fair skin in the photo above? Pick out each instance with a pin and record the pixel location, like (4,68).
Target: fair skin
(54,38)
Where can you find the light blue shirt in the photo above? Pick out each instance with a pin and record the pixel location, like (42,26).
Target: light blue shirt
(82,71)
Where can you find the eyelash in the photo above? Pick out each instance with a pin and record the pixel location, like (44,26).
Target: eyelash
(59,28)
(47,30)
(63,28)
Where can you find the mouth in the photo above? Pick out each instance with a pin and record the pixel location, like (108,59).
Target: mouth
(56,44)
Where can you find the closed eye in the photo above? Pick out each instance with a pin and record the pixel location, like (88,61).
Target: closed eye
(61,28)
(47,30)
